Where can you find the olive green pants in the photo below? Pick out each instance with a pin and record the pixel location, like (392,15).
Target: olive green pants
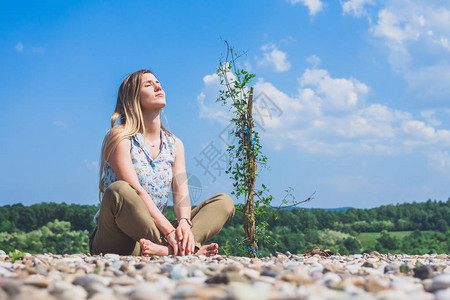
(124,220)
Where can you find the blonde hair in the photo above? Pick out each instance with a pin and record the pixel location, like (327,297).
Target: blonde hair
(128,111)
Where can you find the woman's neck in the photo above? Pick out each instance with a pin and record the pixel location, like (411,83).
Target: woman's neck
(152,124)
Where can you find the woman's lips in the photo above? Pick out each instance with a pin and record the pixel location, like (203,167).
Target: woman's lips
(159,95)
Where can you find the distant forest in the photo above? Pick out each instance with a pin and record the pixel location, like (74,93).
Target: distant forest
(412,228)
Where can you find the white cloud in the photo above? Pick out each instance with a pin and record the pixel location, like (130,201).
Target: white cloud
(331,116)
(429,116)
(396,31)
(430,82)
(314,6)
(356,8)
(288,39)
(19,47)
(336,93)
(403,23)
(60,123)
(439,160)
(314,60)
(216,112)
(91,165)
(416,34)
(274,58)
(209,107)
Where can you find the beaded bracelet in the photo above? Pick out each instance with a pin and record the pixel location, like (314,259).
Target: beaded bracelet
(169,233)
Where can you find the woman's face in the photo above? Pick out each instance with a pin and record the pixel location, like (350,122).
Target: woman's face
(152,95)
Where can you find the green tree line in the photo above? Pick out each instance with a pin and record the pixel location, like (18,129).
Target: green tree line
(64,228)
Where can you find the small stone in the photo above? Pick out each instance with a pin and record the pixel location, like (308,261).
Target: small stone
(442,294)
(353,269)
(123,280)
(233,268)
(376,285)
(332,268)
(103,296)
(184,290)
(439,268)
(298,279)
(112,256)
(4,272)
(281,258)
(256,262)
(89,259)
(66,291)
(33,293)
(250,273)
(91,278)
(31,270)
(149,291)
(210,293)
(37,282)
(270,273)
(10,286)
(179,272)
(242,291)
(440,282)
(95,287)
(368,264)
(423,272)
(236,277)
(331,279)
(311,260)
(167,259)
(226,278)
(72,260)
(316,268)
(392,268)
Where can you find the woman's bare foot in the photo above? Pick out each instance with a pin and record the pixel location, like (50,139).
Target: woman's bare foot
(150,248)
(208,250)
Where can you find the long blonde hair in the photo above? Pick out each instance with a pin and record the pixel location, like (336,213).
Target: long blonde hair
(128,110)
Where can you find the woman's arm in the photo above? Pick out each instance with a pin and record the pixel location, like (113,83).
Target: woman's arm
(180,190)
(123,168)
(181,200)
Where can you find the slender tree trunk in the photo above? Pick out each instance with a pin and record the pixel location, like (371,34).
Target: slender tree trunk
(246,205)
(251,171)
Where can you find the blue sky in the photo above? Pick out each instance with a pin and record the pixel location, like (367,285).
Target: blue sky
(358,91)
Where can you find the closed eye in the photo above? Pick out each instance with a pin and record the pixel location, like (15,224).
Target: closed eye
(149,82)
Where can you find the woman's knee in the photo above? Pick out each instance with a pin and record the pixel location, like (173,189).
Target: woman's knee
(227,203)
(117,189)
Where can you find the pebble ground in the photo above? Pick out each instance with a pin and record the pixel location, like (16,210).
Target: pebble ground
(284,276)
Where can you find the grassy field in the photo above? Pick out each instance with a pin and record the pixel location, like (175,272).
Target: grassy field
(368,239)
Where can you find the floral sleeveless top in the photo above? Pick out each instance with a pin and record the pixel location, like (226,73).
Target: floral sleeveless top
(155,176)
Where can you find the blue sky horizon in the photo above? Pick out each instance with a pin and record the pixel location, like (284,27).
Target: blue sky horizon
(352,95)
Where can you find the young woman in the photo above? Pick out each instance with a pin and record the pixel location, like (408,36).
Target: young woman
(140,161)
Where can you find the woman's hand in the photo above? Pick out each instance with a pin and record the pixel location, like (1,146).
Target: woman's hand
(186,237)
(173,241)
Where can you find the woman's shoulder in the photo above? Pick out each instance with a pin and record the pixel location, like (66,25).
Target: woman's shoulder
(117,137)
(177,141)
(174,143)
(115,132)
(170,137)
